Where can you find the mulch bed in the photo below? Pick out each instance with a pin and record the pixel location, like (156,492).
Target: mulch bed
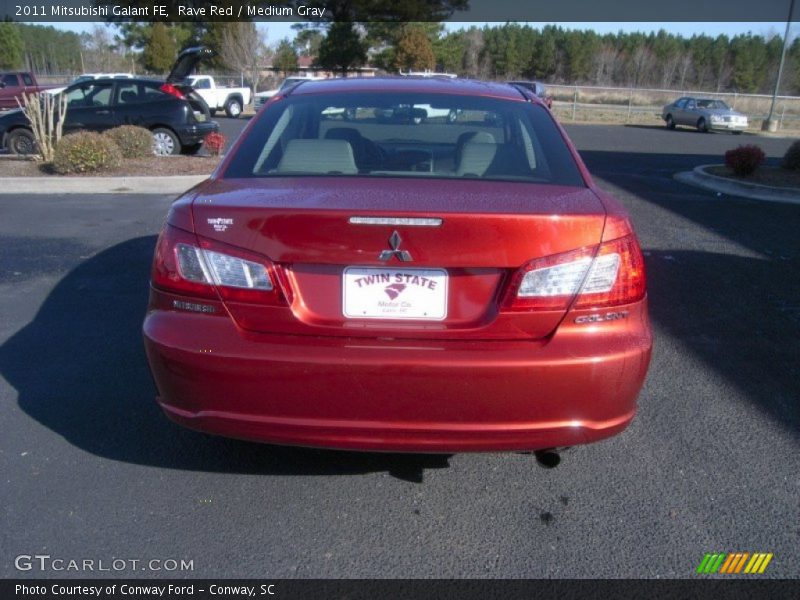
(12,166)
(771,176)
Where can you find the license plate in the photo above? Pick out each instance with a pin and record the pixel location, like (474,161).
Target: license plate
(397,293)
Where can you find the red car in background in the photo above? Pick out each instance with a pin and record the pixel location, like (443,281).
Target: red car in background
(14,84)
(434,287)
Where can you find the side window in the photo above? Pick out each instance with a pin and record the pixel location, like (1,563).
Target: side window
(101,94)
(128,93)
(203,84)
(89,95)
(681,103)
(10,80)
(76,97)
(690,105)
(152,92)
(27,79)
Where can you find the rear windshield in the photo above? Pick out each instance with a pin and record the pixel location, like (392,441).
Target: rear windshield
(406,135)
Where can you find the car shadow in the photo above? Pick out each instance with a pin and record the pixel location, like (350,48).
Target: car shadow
(739,312)
(683,128)
(772,224)
(80,369)
(740,316)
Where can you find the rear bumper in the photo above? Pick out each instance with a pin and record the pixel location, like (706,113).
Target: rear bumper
(578,387)
(194,134)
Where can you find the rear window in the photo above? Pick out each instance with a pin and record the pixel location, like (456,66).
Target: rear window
(406,135)
(139,91)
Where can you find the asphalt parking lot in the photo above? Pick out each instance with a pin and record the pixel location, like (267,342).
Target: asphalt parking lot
(91,469)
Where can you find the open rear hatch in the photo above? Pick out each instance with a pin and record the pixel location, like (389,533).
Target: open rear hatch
(345,271)
(184,66)
(186,63)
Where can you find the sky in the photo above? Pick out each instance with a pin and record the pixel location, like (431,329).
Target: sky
(279,30)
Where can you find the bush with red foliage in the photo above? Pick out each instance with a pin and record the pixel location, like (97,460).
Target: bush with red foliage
(215,143)
(791,160)
(744,159)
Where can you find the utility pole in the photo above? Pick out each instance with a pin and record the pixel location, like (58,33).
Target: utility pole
(771,124)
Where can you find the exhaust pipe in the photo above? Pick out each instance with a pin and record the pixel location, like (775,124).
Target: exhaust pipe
(549,458)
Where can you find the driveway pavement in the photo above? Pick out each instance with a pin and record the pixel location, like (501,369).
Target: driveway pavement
(91,469)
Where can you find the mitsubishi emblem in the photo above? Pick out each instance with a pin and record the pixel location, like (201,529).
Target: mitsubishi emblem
(394,243)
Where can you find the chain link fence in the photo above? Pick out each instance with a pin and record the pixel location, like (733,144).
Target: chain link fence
(643,106)
(591,103)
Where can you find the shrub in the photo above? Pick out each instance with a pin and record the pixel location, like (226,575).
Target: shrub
(744,159)
(133,141)
(215,142)
(791,160)
(84,152)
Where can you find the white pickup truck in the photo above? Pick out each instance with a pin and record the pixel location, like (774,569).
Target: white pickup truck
(231,100)
(261,98)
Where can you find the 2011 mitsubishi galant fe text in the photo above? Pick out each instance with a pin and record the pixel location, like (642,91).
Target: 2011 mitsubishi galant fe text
(448,285)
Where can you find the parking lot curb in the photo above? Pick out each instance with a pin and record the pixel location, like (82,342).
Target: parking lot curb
(698,177)
(173,184)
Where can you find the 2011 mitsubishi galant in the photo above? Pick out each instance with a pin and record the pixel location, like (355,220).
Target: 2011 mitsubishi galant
(452,285)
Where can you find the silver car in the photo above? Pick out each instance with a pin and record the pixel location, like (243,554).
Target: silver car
(706,114)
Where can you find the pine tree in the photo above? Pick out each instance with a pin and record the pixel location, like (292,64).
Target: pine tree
(414,51)
(342,49)
(160,53)
(10,46)
(285,59)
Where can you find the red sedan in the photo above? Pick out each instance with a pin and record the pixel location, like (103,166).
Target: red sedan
(420,285)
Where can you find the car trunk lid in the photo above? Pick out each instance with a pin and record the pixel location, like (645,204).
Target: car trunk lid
(331,237)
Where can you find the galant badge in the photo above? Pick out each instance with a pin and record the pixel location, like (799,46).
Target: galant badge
(394,243)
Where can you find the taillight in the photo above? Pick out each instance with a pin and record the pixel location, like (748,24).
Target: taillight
(627,282)
(170,89)
(606,275)
(207,269)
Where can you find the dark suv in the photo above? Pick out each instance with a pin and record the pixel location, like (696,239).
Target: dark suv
(177,116)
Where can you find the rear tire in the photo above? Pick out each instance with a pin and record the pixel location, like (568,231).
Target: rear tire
(21,142)
(233,108)
(702,126)
(165,142)
(670,122)
(452,116)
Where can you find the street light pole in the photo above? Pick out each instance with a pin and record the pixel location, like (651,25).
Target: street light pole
(771,124)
